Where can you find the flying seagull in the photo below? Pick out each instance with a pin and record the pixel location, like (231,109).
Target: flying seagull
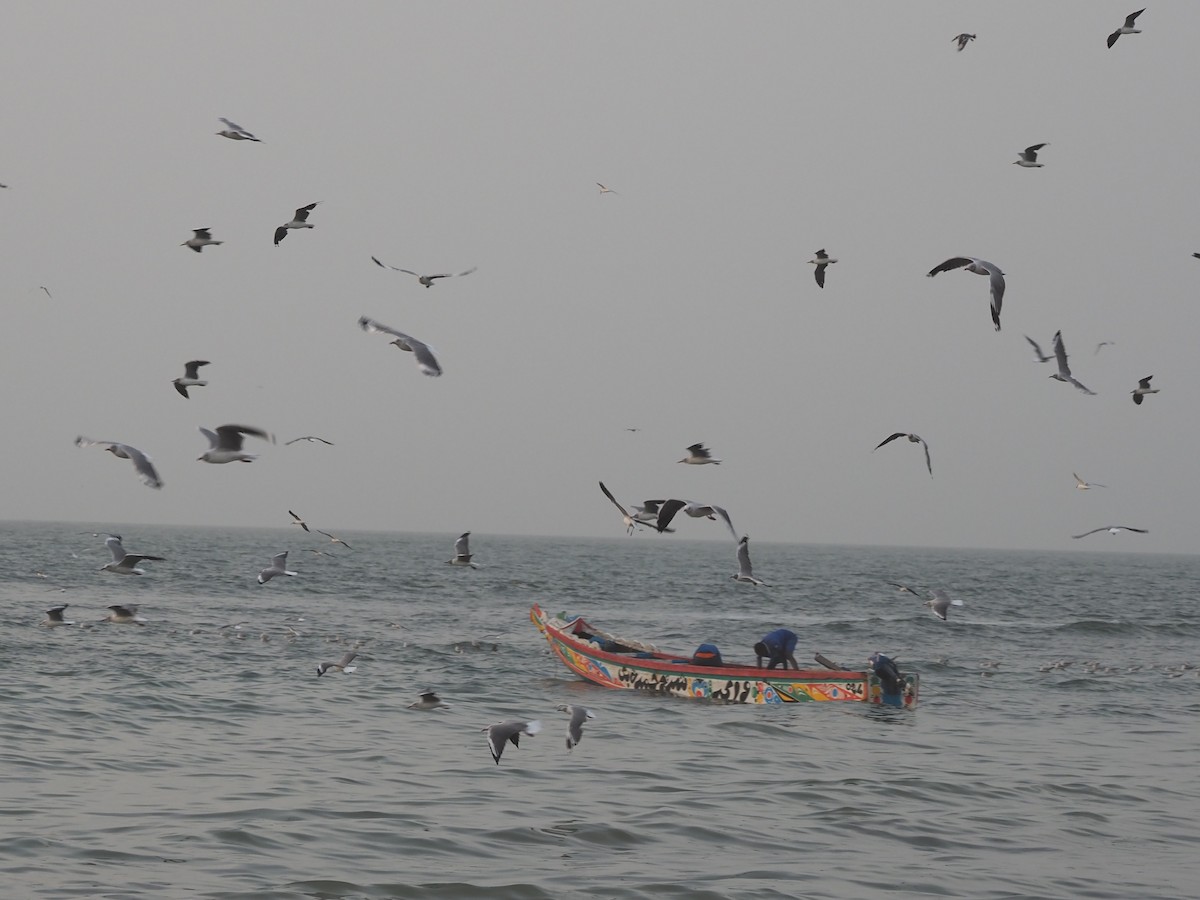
(647,512)
(296,520)
(278,566)
(141,462)
(1127,28)
(54,617)
(745,572)
(225,444)
(201,238)
(1111,529)
(426,361)
(1143,389)
(426,280)
(1064,371)
(310,438)
(822,262)
(1081,485)
(334,540)
(124,614)
(979,267)
(1028,158)
(630,522)
(429,700)
(579,715)
(604,190)
(1037,350)
(903,588)
(1104,344)
(504,732)
(940,603)
(124,563)
(236,132)
(190,377)
(342,665)
(699,455)
(462,551)
(913,438)
(963,39)
(695,510)
(299,220)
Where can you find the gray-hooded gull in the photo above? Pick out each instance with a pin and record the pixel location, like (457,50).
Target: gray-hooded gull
(1081,485)
(913,438)
(1143,389)
(462,552)
(1112,529)
(822,262)
(342,665)
(940,603)
(236,132)
(509,732)
(124,563)
(426,361)
(225,444)
(201,238)
(1127,28)
(278,566)
(1064,371)
(695,510)
(579,715)
(1028,156)
(699,455)
(299,220)
(979,267)
(54,617)
(141,462)
(745,572)
(191,377)
(429,700)
(425,280)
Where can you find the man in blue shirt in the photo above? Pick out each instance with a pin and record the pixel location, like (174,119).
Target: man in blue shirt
(778,648)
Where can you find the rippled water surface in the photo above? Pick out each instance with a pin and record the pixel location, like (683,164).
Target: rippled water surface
(188,759)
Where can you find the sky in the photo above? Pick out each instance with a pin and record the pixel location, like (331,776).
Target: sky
(739,138)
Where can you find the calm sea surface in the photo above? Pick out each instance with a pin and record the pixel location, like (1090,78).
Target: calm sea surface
(188,759)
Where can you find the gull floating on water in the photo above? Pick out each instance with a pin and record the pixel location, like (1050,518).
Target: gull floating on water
(1028,158)
(426,361)
(699,455)
(296,520)
(299,220)
(236,132)
(963,39)
(141,462)
(979,267)
(508,732)
(225,444)
(1037,350)
(54,617)
(1081,485)
(334,540)
(695,510)
(462,552)
(940,603)
(191,377)
(201,238)
(1143,389)
(745,572)
(342,665)
(426,280)
(124,563)
(913,438)
(124,614)
(311,438)
(1127,28)
(579,715)
(1111,529)
(429,700)
(822,262)
(1064,371)
(278,566)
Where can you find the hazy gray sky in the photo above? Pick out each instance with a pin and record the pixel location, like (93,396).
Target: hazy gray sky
(740,137)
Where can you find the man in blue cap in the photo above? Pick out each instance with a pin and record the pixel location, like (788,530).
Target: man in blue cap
(778,648)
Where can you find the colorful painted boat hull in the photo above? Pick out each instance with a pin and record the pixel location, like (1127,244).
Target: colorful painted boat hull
(613,664)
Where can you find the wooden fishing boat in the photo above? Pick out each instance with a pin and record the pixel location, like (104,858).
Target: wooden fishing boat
(615,662)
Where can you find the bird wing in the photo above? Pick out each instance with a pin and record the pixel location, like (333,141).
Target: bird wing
(182,389)
(347,659)
(724,515)
(1042,357)
(192,369)
(1080,385)
(373,327)
(279,560)
(462,547)
(231,437)
(928,463)
(1031,151)
(1132,17)
(114,546)
(302,212)
(608,494)
(743,557)
(143,465)
(667,512)
(996,281)
(280,233)
(1086,533)
(425,358)
(1131,528)
(955,262)
(819,274)
(1145,382)
(1060,353)
(468,271)
(889,439)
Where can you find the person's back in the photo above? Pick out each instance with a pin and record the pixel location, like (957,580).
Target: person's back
(778,648)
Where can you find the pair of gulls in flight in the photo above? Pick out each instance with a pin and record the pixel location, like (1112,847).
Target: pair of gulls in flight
(939,601)
(202,237)
(296,520)
(1064,371)
(510,732)
(225,445)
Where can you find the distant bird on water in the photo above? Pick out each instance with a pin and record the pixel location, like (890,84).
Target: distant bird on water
(1111,529)
(191,377)
(429,700)
(125,563)
(695,510)
(1028,158)
(1081,485)
(201,238)
(236,132)
(822,262)
(1064,371)
(426,280)
(141,462)
(342,665)
(1127,28)
(299,220)
(508,733)
(426,361)
(54,617)
(462,552)
(699,455)
(940,603)
(979,267)
(278,566)
(745,572)
(913,438)
(225,444)
(312,439)
(579,715)
(1037,350)
(963,39)
(1143,389)
(630,522)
